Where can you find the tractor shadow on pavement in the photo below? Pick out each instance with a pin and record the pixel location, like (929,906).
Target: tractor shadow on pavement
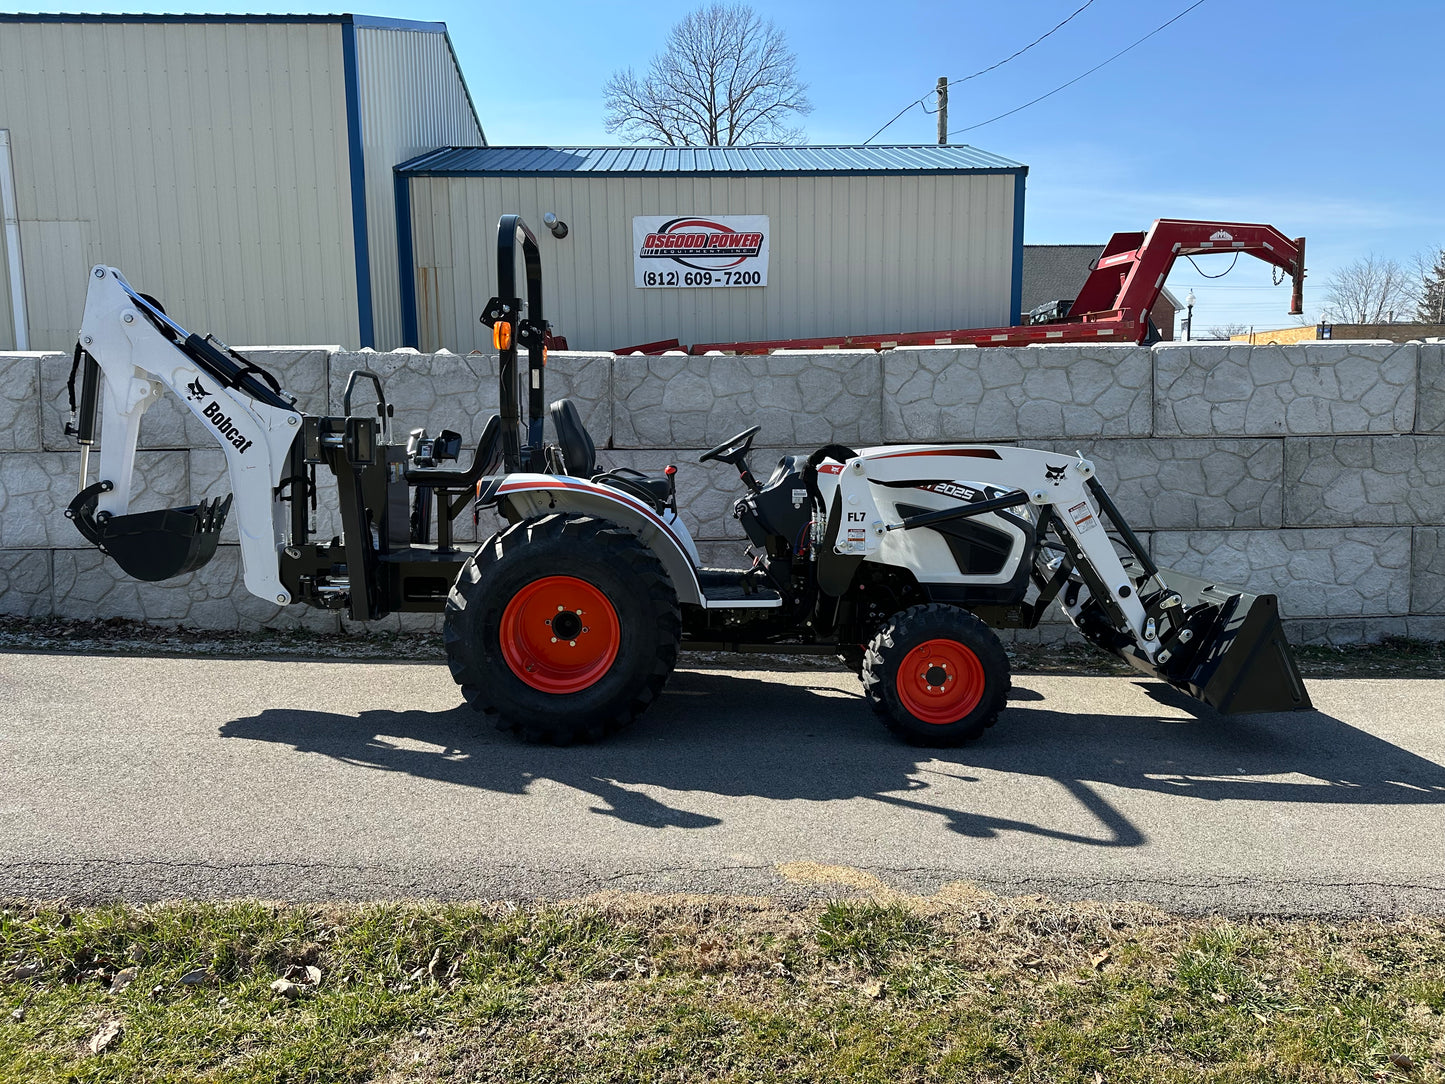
(746,735)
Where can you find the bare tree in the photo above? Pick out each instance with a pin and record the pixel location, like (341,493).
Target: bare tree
(1371,290)
(726,77)
(1225,331)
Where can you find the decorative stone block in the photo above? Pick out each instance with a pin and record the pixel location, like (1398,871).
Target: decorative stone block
(706,492)
(1053,630)
(1319,572)
(20,402)
(1185,484)
(1344,631)
(1427,571)
(724,554)
(1353,387)
(89,585)
(167,422)
(1015,393)
(1425,627)
(800,400)
(36,487)
(455,391)
(1430,416)
(25,583)
(586,379)
(1360,480)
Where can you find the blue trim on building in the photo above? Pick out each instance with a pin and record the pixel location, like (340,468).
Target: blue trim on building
(361,246)
(405,261)
(1017,289)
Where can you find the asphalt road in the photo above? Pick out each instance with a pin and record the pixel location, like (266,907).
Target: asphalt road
(151,778)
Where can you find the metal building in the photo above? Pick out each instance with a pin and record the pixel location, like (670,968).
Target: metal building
(857,240)
(239,167)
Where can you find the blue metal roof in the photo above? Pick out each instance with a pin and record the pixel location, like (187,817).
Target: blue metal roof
(535,161)
(364,21)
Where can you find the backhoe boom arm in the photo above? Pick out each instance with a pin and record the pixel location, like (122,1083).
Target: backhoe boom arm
(140,352)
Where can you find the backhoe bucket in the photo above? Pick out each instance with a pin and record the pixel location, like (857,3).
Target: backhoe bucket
(153,545)
(1237,660)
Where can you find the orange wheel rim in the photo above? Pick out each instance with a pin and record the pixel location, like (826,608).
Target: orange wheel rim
(559,634)
(940,681)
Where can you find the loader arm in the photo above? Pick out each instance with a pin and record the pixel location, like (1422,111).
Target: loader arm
(1221,645)
(130,352)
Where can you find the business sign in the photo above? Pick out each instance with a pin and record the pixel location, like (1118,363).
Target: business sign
(700,250)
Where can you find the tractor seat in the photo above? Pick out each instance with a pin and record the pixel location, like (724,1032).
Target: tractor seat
(579,459)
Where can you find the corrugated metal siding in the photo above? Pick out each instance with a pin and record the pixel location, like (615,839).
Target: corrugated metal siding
(725,160)
(412,100)
(848,255)
(206,160)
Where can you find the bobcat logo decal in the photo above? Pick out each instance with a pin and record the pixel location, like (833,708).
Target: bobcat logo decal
(1055,474)
(197,392)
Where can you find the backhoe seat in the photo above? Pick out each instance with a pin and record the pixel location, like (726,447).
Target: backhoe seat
(579,456)
(578,452)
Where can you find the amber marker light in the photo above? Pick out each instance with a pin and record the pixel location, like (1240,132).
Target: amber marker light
(502,335)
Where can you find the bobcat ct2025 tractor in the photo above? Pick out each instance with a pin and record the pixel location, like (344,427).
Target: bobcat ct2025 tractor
(566,623)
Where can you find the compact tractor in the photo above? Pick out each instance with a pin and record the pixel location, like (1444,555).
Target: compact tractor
(566,623)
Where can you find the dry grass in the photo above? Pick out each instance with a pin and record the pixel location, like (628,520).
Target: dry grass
(960,986)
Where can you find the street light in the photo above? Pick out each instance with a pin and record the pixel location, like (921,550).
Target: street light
(1189,316)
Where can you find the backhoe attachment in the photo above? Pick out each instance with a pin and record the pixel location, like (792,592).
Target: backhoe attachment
(130,352)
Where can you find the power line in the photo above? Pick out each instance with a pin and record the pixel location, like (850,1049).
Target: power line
(1076,78)
(975,75)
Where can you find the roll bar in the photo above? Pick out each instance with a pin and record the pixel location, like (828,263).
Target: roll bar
(503,314)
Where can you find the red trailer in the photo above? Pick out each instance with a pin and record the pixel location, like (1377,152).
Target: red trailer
(1113,304)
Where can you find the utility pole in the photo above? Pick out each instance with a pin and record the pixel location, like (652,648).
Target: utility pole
(942,110)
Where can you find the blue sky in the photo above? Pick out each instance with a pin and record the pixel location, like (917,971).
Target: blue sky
(1322,118)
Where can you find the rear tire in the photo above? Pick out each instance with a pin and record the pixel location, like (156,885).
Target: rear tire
(937,675)
(565,627)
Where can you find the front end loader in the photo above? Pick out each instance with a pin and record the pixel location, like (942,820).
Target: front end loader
(566,623)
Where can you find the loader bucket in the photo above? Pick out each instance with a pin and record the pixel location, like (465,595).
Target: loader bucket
(154,545)
(1238,660)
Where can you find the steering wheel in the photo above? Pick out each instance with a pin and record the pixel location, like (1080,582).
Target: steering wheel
(732,449)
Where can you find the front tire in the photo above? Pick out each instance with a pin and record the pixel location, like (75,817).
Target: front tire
(937,675)
(565,627)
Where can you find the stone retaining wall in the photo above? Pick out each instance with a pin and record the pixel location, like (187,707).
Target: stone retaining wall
(1314,471)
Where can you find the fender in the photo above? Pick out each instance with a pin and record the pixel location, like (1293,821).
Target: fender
(521,495)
